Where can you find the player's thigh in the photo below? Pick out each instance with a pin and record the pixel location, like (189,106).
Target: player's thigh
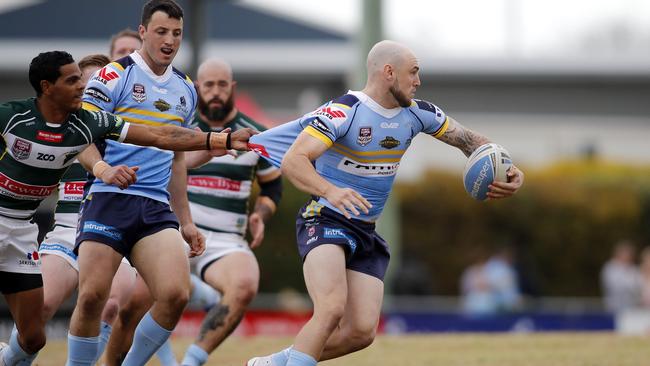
(363,307)
(325,274)
(60,279)
(233,270)
(25,306)
(98,263)
(123,282)
(161,261)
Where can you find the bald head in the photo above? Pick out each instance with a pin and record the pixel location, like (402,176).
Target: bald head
(214,65)
(387,53)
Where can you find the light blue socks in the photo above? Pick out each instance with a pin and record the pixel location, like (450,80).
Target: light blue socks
(82,351)
(149,336)
(194,356)
(297,358)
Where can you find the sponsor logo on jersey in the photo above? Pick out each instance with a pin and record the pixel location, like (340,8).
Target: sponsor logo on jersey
(259,149)
(389,142)
(21,191)
(49,136)
(97,94)
(320,126)
(389,125)
(139,93)
(214,183)
(182,107)
(365,136)
(101,229)
(367,169)
(106,75)
(21,149)
(334,114)
(72,191)
(161,105)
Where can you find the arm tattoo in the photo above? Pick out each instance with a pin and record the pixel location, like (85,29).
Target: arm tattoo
(463,138)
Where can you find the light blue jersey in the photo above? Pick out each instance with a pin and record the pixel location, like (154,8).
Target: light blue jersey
(366,143)
(130,89)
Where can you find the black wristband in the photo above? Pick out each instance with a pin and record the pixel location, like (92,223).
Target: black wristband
(228,145)
(207,141)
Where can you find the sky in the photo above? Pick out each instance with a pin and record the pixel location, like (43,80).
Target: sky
(492,28)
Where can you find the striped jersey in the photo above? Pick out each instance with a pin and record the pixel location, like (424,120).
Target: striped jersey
(366,143)
(71,189)
(219,191)
(36,153)
(128,88)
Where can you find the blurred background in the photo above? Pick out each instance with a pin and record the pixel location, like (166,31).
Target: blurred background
(564,86)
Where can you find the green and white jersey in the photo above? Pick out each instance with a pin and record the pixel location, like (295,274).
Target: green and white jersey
(36,153)
(219,191)
(71,191)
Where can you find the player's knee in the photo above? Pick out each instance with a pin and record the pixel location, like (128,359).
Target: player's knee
(111,309)
(90,302)
(34,340)
(48,310)
(176,298)
(244,291)
(331,312)
(361,338)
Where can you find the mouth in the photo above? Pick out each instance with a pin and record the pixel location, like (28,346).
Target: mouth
(167,51)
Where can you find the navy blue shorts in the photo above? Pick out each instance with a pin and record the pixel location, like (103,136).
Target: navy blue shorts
(365,250)
(119,220)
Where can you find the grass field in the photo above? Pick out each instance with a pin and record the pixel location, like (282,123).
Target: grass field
(565,349)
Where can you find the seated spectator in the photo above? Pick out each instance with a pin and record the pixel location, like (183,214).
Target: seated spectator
(620,279)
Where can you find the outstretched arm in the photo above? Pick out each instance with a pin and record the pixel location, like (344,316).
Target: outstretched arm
(467,141)
(184,139)
(297,166)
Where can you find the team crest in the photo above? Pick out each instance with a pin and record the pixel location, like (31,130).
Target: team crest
(311,231)
(139,94)
(389,142)
(365,136)
(21,149)
(161,105)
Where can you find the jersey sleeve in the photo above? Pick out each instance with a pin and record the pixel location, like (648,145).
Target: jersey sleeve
(103,87)
(434,120)
(328,122)
(6,112)
(107,125)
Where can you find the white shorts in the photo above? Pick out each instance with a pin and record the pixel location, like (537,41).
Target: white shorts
(218,245)
(60,242)
(19,246)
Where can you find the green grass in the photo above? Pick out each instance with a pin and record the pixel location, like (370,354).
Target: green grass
(555,349)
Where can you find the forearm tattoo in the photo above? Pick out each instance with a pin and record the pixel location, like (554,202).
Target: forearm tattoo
(463,138)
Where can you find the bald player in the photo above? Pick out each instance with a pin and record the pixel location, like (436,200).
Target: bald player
(346,155)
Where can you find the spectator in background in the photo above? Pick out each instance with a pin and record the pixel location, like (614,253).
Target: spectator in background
(644,269)
(490,286)
(620,278)
(124,43)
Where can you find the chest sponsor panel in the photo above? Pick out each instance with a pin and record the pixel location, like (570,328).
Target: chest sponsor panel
(219,187)
(22,191)
(42,156)
(354,167)
(71,191)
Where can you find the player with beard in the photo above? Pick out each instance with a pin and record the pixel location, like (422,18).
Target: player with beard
(219,190)
(346,154)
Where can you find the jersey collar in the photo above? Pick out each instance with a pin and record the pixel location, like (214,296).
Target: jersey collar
(374,106)
(143,65)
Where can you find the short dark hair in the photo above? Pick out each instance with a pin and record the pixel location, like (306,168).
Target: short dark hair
(47,66)
(97,60)
(128,32)
(169,7)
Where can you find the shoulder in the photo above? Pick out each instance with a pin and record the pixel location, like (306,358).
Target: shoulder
(182,76)
(425,107)
(109,77)
(336,111)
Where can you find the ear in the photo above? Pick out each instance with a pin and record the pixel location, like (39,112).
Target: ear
(45,86)
(234,85)
(389,72)
(141,31)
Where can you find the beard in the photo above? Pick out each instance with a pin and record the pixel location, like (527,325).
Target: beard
(217,113)
(401,99)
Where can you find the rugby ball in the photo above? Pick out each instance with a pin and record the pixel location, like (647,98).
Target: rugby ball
(488,163)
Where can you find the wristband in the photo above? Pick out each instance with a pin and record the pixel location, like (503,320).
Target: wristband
(220,140)
(228,145)
(207,141)
(99,168)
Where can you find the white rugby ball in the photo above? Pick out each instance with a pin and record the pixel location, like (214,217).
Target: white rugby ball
(488,163)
